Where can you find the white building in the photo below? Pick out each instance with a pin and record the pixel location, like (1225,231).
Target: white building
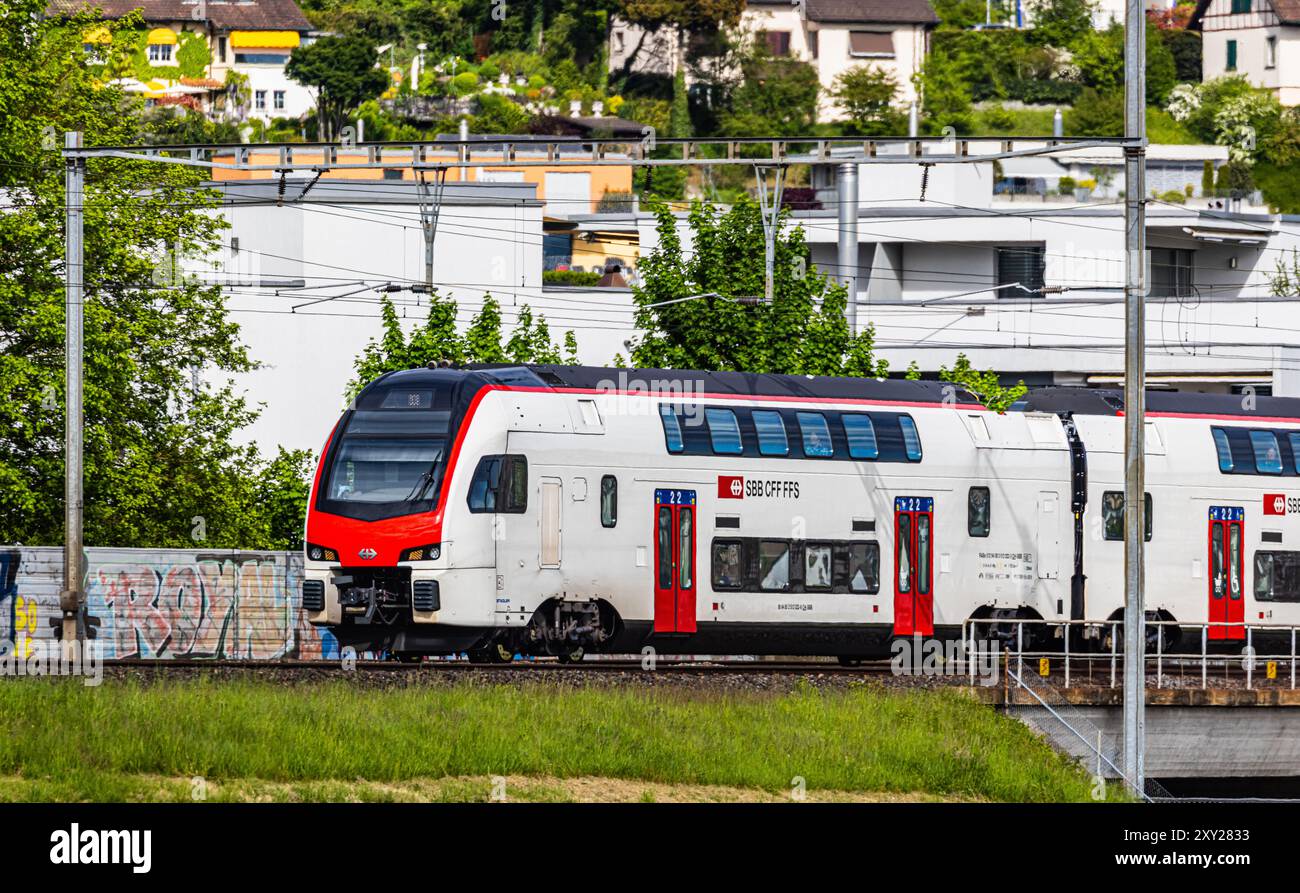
(834,36)
(250,37)
(1259,39)
(1036,291)
(305,277)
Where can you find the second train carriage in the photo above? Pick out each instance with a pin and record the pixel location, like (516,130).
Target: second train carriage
(550,509)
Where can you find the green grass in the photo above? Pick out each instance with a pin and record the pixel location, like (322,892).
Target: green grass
(129,741)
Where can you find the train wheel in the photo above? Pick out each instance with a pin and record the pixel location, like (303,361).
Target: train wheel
(573,657)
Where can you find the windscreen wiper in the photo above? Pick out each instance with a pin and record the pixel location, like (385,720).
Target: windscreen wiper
(425,479)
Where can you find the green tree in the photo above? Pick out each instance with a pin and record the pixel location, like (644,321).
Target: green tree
(161,464)
(438,340)
(1060,23)
(1096,114)
(678,16)
(867,95)
(945,95)
(778,97)
(802,331)
(984,385)
(342,72)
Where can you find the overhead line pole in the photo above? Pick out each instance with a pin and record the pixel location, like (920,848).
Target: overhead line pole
(71,597)
(1134,394)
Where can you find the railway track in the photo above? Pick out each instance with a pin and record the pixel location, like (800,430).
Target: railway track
(868,668)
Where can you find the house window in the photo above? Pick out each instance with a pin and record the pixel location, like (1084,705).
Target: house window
(1270,52)
(778,42)
(878,44)
(1171,272)
(812,43)
(278,99)
(618,42)
(221,49)
(259,99)
(393,173)
(1240,6)
(1232,56)
(1026,265)
(160,53)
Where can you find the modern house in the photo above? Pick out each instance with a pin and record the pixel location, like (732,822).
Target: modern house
(1259,39)
(832,35)
(252,38)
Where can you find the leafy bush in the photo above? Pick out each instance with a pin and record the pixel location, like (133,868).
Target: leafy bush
(1066,186)
(1096,114)
(570,278)
(464,83)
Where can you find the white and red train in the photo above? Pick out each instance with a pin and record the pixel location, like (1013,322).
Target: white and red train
(557,509)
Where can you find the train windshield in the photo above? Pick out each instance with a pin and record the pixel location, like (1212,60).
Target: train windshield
(390,457)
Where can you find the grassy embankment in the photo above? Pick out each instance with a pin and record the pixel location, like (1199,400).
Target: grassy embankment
(248,740)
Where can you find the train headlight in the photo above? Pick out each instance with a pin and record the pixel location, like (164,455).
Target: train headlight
(320,553)
(431,552)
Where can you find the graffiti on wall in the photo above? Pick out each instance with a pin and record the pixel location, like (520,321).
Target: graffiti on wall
(168,603)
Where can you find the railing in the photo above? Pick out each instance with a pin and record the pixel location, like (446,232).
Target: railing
(1202,660)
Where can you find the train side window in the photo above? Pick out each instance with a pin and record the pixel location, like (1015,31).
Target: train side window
(861,434)
(816,435)
(1223,449)
(774,565)
(977,511)
(483,486)
(1268,457)
(911,439)
(1295,451)
(724,431)
(1277,576)
(864,567)
(772,439)
(608,501)
(923,553)
(1112,515)
(817,567)
(728,564)
(672,429)
(499,484)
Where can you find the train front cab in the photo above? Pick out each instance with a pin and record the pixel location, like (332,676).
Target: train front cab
(391,561)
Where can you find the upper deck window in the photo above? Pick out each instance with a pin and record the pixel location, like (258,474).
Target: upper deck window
(724,431)
(1223,449)
(911,439)
(1268,457)
(672,429)
(862,436)
(816,435)
(772,439)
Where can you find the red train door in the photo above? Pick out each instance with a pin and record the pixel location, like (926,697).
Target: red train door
(1227,596)
(913,565)
(674,566)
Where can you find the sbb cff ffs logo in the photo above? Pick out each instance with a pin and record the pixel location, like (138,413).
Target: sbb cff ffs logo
(731,487)
(1280,504)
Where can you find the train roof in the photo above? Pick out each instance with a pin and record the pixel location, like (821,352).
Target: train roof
(741,384)
(1104,401)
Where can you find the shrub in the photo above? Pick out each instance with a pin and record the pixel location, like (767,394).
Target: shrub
(1066,186)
